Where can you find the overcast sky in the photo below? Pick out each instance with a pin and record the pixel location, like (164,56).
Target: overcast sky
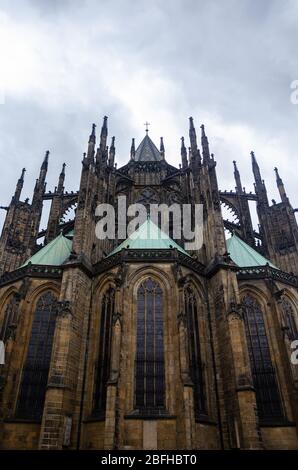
(228,63)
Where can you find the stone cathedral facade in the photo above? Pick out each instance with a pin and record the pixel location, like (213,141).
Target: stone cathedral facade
(136,344)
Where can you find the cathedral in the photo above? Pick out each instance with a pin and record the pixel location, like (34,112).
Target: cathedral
(139,343)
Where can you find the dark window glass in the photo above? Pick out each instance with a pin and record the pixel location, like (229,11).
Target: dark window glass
(195,362)
(150,379)
(102,369)
(37,364)
(264,377)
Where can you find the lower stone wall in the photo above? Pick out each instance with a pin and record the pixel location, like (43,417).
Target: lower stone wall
(280,438)
(93,435)
(20,436)
(207,437)
(150,434)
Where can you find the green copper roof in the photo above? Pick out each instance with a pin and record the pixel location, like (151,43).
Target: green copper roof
(52,254)
(148,236)
(244,255)
(147,151)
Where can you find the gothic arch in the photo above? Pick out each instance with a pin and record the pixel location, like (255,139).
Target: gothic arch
(265,371)
(232,207)
(261,297)
(8,316)
(5,297)
(36,360)
(8,295)
(105,280)
(29,310)
(136,276)
(193,281)
(149,386)
(256,292)
(170,311)
(35,293)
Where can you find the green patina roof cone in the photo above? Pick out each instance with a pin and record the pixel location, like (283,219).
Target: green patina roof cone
(54,253)
(148,236)
(244,255)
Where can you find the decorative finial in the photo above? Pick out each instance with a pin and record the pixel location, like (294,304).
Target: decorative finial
(92,135)
(132,149)
(147,124)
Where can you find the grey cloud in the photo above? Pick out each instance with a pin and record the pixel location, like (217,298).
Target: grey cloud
(226,62)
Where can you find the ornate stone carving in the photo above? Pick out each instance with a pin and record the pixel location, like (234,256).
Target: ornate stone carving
(64,308)
(120,276)
(235,311)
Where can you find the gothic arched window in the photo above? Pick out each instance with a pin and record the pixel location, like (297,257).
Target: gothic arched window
(36,368)
(104,354)
(289,320)
(9,322)
(150,375)
(264,377)
(195,363)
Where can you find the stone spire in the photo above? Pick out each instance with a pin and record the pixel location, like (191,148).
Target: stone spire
(19,186)
(239,189)
(104,134)
(162,149)
(40,184)
(91,145)
(112,153)
(183,154)
(132,150)
(280,186)
(205,145)
(193,142)
(255,168)
(102,154)
(60,187)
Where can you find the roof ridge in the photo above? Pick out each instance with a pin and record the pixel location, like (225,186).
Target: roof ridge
(152,155)
(145,238)
(53,253)
(245,255)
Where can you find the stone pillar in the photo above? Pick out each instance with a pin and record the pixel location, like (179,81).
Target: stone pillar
(185,377)
(246,431)
(64,391)
(112,406)
(239,421)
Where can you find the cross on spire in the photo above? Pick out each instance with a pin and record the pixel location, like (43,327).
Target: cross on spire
(147,124)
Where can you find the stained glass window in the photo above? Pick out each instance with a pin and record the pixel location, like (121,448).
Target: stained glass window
(264,376)
(36,368)
(149,367)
